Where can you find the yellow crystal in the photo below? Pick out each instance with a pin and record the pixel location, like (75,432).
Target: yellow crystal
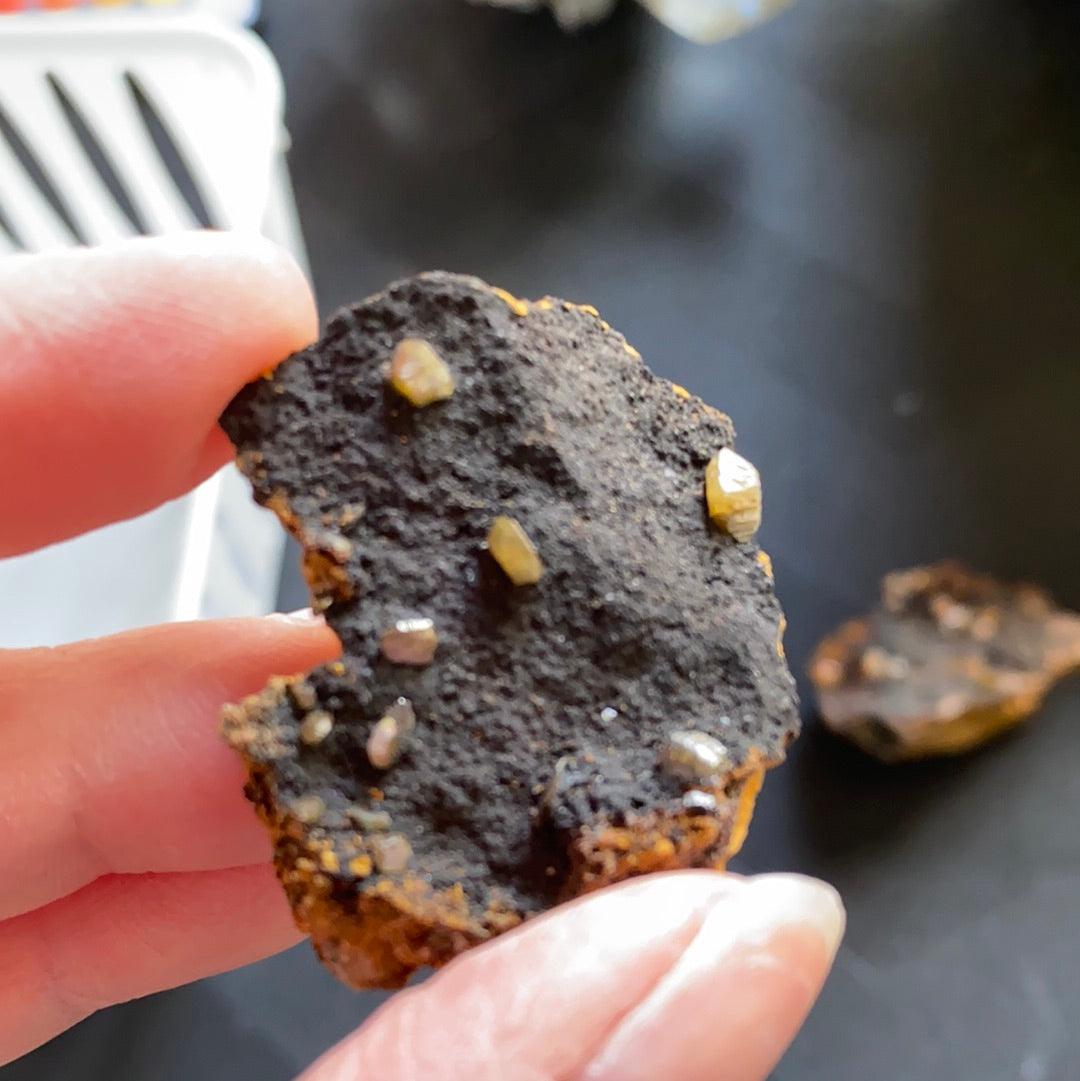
(361,866)
(519,307)
(511,548)
(419,374)
(733,493)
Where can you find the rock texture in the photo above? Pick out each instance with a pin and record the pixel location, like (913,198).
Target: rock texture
(545,751)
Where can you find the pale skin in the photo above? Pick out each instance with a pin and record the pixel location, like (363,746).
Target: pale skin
(131,862)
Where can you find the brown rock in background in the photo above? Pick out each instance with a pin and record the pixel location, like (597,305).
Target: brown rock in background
(948,660)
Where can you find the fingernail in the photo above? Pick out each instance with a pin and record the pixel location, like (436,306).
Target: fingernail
(736,996)
(302,617)
(797,900)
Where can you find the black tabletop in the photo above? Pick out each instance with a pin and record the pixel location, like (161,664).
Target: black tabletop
(857,230)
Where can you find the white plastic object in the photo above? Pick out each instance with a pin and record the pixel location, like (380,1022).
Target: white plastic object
(219,94)
(236,11)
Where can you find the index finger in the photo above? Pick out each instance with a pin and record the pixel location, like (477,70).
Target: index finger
(115,364)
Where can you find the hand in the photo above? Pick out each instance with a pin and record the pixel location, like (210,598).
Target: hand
(692,976)
(131,861)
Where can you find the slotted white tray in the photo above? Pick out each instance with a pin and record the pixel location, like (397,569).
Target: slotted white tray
(236,11)
(219,95)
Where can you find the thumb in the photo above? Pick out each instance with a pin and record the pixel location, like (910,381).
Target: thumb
(692,975)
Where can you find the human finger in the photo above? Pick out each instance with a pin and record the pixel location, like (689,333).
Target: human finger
(692,975)
(126,936)
(113,760)
(115,364)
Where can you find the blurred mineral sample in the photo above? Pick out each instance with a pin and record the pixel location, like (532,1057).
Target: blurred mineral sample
(713,20)
(699,20)
(948,659)
(571,14)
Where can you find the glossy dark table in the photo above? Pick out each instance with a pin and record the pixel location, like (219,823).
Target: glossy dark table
(858,231)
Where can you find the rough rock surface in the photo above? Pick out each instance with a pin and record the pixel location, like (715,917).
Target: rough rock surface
(536,768)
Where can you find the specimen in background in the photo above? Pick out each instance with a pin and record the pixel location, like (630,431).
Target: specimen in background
(699,20)
(947,660)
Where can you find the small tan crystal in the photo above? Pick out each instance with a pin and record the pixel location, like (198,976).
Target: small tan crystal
(419,374)
(387,738)
(369,821)
(308,809)
(410,641)
(733,494)
(303,694)
(511,548)
(392,853)
(695,756)
(316,727)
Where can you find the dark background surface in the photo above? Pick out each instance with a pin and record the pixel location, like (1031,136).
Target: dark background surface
(857,230)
